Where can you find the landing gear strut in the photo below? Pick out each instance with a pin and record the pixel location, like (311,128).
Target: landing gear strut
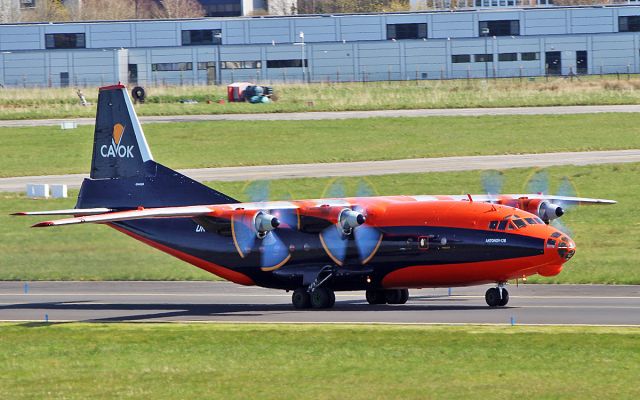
(391,296)
(315,295)
(497,296)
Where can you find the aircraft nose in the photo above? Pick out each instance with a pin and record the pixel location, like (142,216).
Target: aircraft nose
(563,244)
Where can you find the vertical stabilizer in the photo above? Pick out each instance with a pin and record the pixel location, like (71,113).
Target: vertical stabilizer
(120,149)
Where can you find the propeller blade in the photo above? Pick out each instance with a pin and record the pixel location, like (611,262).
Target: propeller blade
(244,235)
(492,182)
(538,183)
(567,189)
(258,191)
(289,218)
(365,189)
(335,189)
(368,241)
(274,252)
(556,223)
(335,243)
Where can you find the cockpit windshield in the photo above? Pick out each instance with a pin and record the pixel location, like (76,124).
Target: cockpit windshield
(513,222)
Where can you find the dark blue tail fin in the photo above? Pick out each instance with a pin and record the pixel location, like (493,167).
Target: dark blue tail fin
(123,172)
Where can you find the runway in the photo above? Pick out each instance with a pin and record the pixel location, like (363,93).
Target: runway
(227,302)
(319,115)
(364,168)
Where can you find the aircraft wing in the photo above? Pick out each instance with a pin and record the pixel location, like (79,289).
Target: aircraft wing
(70,211)
(164,212)
(487,198)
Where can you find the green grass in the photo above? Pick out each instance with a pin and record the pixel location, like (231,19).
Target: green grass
(606,236)
(49,150)
(21,103)
(170,361)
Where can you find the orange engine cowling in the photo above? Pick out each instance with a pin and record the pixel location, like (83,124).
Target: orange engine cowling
(542,208)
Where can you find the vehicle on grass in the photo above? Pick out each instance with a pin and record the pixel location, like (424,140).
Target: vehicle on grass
(384,245)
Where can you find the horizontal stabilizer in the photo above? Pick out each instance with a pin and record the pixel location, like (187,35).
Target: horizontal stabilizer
(70,211)
(165,212)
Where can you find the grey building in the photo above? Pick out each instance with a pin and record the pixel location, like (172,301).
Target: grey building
(419,45)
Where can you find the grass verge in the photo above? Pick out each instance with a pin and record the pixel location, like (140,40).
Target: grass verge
(606,236)
(49,150)
(21,103)
(162,361)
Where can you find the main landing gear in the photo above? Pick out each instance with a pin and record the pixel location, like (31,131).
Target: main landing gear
(390,296)
(497,296)
(315,295)
(321,297)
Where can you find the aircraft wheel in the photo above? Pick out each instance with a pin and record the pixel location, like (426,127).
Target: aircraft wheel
(404,296)
(300,298)
(505,298)
(397,296)
(321,298)
(492,297)
(376,296)
(332,298)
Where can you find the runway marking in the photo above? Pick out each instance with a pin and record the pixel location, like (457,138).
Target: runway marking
(417,297)
(227,322)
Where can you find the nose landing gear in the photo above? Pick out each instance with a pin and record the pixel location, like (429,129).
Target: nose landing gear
(497,296)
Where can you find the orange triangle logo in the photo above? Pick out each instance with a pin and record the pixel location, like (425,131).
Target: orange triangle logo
(118,130)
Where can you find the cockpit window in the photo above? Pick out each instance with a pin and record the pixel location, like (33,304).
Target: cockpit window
(519,223)
(493,224)
(531,221)
(539,220)
(503,224)
(556,234)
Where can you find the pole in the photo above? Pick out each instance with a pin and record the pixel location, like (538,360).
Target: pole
(304,70)
(485,33)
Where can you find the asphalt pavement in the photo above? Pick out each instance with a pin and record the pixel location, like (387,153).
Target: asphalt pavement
(226,302)
(318,115)
(364,168)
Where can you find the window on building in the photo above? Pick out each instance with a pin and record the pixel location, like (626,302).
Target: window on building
(206,65)
(240,64)
(406,31)
(629,24)
(460,58)
(64,41)
(27,3)
(201,37)
(179,66)
(506,27)
(483,57)
(295,63)
(530,56)
(508,57)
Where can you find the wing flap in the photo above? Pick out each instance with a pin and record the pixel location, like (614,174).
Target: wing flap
(165,212)
(70,211)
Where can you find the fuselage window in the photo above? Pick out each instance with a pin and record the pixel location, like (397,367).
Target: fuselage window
(493,224)
(423,243)
(531,221)
(519,223)
(503,224)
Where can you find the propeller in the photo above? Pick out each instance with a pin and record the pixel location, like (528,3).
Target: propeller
(492,182)
(539,183)
(351,225)
(257,231)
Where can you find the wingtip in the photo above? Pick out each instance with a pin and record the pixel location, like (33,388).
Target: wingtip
(43,224)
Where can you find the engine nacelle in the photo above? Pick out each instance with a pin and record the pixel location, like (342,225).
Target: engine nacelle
(545,210)
(350,219)
(264,223)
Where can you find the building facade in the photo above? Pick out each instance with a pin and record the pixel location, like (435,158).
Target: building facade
(407,46)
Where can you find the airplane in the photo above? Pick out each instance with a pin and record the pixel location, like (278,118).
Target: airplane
(384,245)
